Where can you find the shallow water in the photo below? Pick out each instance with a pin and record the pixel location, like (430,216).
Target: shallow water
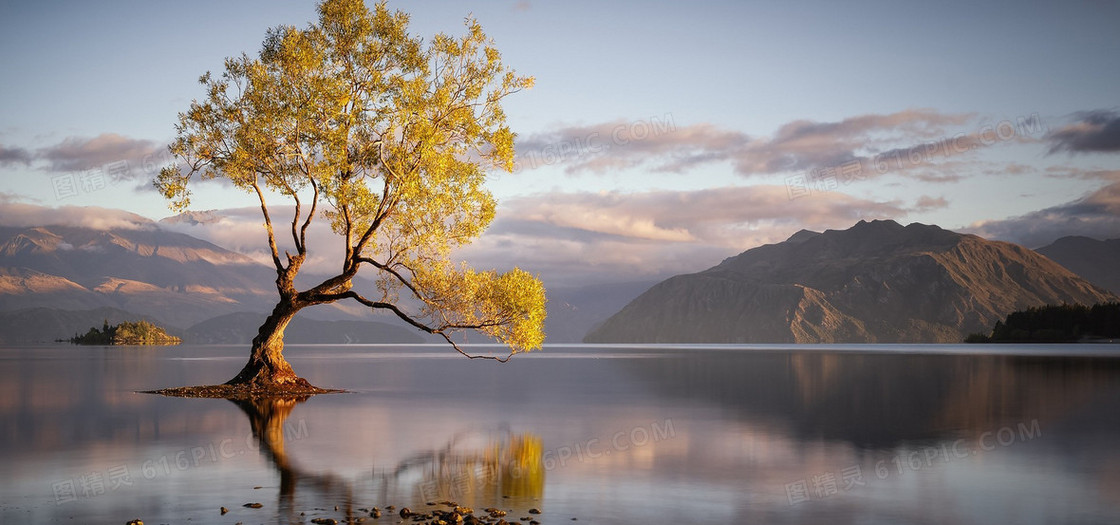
(605,434)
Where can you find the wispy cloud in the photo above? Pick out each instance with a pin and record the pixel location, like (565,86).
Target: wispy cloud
(1091,131)
(25,215)
(661,145)
(571,238)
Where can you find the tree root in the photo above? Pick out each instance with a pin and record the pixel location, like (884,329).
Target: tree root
(246,392)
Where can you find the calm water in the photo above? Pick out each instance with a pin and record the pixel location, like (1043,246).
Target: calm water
(624,434)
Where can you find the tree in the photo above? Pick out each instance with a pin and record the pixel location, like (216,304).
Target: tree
(389,138)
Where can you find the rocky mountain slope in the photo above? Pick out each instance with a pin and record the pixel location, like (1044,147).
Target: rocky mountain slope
(874,282)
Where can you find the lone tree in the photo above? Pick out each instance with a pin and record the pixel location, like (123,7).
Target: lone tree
(387,137)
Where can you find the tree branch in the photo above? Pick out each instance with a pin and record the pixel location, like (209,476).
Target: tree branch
(440,331)
(311,213)
(394,273)
(268,228)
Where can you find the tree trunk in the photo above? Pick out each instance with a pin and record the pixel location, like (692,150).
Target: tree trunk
(267,367)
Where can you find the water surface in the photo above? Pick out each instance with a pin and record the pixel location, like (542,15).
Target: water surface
(604,434)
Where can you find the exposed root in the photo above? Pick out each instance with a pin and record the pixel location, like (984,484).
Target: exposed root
(295,390)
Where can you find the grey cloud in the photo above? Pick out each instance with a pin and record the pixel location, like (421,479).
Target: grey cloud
(80,153)
(1091,131)
(1094,215)
(14,155)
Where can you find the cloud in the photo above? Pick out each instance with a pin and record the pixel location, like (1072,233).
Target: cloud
(926,203)
(581,237)
(14,155)
(80,153)
(1070,172)
(1097,215)
(242,230)
(24,215)
(620,144)
(663,146)
(1092,131)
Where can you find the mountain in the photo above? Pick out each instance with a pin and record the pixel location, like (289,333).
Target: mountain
(1097,261)
(575,311)
(874,282)
(174,278)
(241,327)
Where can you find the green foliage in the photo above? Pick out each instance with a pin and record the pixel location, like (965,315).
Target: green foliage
(127,333)
(387,135)
(1055,324)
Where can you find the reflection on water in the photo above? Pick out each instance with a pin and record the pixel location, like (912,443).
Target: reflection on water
(266,419)
(605,435)
(499,469)
(473,472)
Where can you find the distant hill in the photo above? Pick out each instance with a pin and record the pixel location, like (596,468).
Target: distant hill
(241,327)
(874,282)
(575,311)
(174,278)
(1097,261)
(43,325)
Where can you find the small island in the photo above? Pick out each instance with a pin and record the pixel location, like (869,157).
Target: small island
(1067,323)
(126,333)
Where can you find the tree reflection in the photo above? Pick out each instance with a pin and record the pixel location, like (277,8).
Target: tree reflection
(482,469)
(266,418)
(473,468)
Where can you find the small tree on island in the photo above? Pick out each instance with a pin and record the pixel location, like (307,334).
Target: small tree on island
(390,139)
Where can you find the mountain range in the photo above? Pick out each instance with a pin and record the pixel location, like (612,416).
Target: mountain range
(877,281)
(1097,261)
(58,280)
(171,277)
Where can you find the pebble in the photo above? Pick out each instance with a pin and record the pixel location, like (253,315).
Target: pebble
(224,511)
(405,512)
(136,521)
(324,521)
(253,505)
(534,511)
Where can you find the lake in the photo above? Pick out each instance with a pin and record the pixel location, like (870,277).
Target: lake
(843,434)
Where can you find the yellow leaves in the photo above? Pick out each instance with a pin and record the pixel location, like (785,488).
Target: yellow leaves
(509,306)
(395,132)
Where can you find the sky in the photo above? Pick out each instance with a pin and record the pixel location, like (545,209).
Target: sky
(660,137)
